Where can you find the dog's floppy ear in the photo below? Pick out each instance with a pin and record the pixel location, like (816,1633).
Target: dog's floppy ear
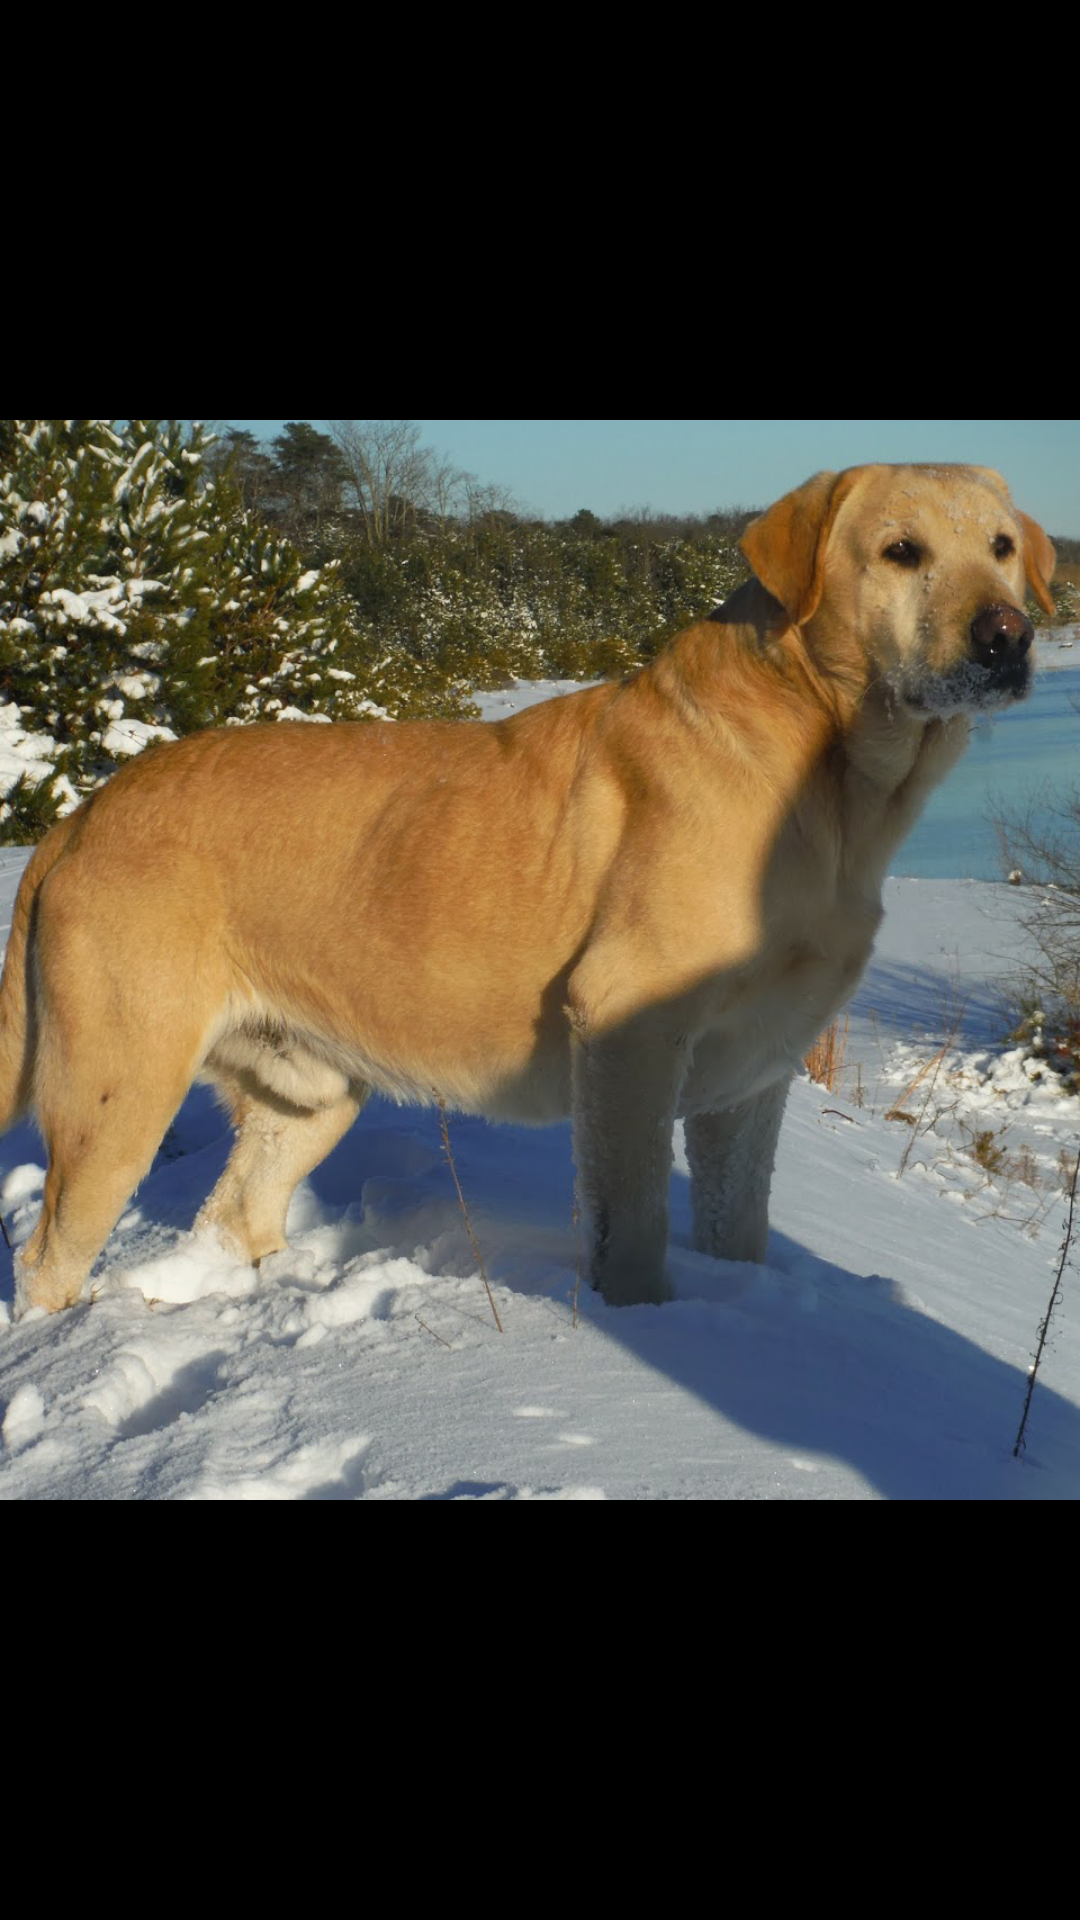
(1039,561)
(786,545)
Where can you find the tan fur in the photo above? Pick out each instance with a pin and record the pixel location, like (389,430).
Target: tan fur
(644,899)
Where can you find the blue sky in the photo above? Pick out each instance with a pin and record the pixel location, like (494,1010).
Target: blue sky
(553,467)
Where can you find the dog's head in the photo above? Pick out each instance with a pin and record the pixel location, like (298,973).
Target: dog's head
(923,568)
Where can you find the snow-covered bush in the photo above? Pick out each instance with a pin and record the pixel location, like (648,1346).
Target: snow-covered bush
(138,600)
(1041,846)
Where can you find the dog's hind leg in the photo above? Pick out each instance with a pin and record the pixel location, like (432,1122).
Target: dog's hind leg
(731,1157)
(276,1145)
(121,1018)
(101,1133)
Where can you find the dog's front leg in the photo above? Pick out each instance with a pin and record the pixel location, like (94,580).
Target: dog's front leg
(625,1090)
(731,1158)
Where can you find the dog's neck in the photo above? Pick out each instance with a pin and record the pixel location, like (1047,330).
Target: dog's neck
(898,753)
(901,754)
(880,758)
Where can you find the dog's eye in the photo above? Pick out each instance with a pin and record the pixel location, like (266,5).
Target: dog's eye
(903,553)
(1003,546)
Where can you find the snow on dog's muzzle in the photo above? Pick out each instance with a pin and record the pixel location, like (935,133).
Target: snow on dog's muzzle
(996,669)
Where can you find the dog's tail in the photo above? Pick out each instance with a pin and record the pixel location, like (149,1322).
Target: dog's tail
(18,1039)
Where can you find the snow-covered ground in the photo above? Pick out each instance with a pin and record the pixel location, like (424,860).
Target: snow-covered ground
(881,1352)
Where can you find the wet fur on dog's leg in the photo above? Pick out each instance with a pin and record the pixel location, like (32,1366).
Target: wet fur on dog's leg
(731,1156)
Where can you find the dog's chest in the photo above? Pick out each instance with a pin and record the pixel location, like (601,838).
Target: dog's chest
(758,1026)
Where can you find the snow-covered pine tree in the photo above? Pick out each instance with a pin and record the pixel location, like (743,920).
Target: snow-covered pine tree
(139,600)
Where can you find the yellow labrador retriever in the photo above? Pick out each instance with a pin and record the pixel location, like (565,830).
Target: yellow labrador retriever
(643,900)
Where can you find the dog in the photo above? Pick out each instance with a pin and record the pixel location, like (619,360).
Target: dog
(642,900)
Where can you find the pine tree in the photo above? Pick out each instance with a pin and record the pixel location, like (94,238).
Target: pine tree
(312,477)
(138,600)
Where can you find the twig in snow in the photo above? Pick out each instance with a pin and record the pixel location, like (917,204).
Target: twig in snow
(434,1335)
(575,1221)
(477,1255)
(1055,1296)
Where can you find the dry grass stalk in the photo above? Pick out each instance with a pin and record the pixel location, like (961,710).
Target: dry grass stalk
(473,1242)
(825,1060)
(919,1123)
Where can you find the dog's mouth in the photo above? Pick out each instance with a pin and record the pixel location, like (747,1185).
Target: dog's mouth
(968,688)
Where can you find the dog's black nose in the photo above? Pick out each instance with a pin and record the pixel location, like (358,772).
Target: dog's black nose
(1000,637)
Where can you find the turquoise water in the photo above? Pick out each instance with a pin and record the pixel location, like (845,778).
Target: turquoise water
(1032,748)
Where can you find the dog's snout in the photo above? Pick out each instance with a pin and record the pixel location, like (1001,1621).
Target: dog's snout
(1001,636)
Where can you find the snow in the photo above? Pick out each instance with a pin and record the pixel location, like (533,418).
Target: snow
(82,609)
(503,701)
(24,756)
(882,1351)
(137,686)
(135,589)
(125,737)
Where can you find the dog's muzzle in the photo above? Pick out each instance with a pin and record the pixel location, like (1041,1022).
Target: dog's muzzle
(994,671)
(1001,640)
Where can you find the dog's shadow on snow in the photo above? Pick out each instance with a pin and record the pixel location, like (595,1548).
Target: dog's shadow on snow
(824,1361)
(818,1360)
(928,1004)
